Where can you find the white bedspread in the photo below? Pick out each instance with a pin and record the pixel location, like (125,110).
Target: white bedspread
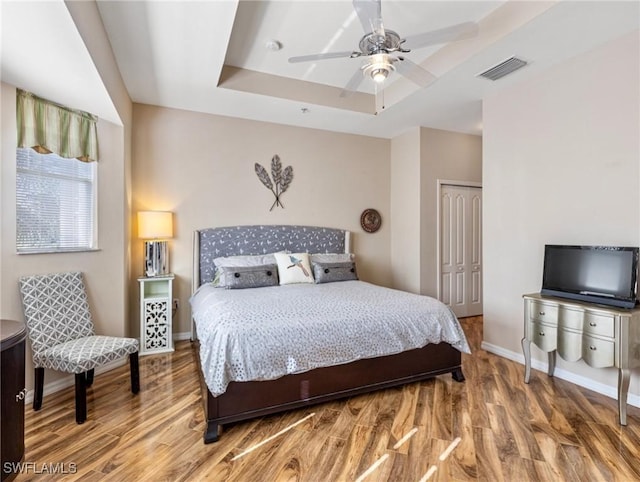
(265,333)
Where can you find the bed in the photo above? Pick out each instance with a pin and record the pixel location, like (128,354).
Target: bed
(274,346)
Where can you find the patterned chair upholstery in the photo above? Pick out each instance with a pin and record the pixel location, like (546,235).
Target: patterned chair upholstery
(62,336)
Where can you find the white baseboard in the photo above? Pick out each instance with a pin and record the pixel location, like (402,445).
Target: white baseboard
(186,335)
(70,380)
(608,390)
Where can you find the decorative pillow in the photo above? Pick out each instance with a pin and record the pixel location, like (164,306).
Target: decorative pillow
(294,268)
(332,257)
(330,272)
(238,277)
(238,262)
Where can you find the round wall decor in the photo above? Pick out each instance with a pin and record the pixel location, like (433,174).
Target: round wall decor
(370,220)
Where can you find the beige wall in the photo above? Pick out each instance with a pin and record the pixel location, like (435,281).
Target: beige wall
(201,167)
(419,158)
(561,165)
(87,18)
(405,211)
(450,156)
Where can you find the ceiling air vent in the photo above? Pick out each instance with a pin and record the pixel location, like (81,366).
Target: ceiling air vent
(502,69)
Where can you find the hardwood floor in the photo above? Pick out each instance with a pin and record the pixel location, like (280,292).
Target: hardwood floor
(549,430)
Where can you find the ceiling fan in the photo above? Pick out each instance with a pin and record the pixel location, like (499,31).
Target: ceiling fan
(382,48)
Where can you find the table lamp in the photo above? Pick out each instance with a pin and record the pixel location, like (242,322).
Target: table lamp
(155,227)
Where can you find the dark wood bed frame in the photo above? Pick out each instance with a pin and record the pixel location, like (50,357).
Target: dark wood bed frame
(246,400)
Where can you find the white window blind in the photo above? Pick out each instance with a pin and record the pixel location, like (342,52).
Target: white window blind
(55,203)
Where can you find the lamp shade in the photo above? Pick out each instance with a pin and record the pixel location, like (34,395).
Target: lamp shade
(155,224)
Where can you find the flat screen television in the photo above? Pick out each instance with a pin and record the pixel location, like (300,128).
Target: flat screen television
(597,274)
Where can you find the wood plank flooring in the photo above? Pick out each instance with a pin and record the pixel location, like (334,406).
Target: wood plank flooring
(549,430)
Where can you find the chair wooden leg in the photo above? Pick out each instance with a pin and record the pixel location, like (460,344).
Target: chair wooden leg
(81,398)
(89,377)
(38,388)
(135,373)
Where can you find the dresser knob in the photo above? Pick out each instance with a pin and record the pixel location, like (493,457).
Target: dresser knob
(20,396)
(542,313)
(592,324)
(592,348)
(541,333)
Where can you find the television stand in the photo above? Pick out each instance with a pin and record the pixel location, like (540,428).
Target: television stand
(600,335)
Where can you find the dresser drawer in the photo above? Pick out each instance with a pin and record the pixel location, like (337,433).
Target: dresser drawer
(569,345)
(599,324)
(598,353)
(543,336)
(570,318)
(542,312)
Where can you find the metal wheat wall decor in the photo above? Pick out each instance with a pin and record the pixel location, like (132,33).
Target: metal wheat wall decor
(281,179)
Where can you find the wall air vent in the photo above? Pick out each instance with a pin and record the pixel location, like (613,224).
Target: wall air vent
(503,68)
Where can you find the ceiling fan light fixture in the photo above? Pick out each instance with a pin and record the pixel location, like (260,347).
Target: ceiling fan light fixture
(379,67)
(379,75)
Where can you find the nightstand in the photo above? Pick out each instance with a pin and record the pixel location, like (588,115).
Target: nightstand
(156,314)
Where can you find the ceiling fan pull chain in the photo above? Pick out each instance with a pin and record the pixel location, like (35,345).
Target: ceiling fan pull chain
(379,98)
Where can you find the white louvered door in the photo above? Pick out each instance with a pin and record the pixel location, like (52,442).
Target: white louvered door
(461,249)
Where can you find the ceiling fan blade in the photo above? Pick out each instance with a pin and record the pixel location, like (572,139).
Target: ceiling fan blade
(370,15)
(454,32)
(414,72)
(328,55)
(353,84)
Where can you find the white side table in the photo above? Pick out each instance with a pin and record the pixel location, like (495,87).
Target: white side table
(156,334)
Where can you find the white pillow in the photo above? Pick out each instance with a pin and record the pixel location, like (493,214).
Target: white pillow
(294,268)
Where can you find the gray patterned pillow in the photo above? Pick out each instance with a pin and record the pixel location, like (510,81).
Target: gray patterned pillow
(250,276)
(330,272)
(237,261)
(332,257)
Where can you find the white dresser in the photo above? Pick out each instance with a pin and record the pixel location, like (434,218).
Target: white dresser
(602,336)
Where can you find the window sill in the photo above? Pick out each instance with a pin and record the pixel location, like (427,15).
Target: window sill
(57,251)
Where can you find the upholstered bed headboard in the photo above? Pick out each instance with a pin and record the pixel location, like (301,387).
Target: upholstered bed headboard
(212,243)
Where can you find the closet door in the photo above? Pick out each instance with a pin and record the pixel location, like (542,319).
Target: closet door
(461,249)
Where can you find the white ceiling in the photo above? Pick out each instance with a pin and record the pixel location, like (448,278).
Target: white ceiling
(174,54)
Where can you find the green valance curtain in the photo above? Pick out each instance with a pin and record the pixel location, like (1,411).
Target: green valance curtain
(51,128)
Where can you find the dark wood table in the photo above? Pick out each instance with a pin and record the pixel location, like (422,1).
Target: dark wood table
(12,392)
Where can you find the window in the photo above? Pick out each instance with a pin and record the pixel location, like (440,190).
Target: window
(55,203)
